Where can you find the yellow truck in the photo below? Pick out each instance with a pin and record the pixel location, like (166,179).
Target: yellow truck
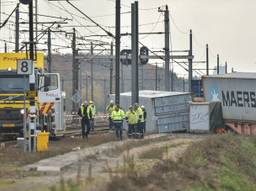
(15,95)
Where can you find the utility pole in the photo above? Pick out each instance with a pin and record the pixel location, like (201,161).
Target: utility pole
(172,80)
(105,92)
(0,12)
(79,65)
(32,123)
(218,64)
(184,85)
(36,10)
(117,38)
(190,62)
(167,47)
(226,67)
(17,29)
(111,69)
(75,70)
(92,75)
(142,77)
(122,76)
(207,60)
(156,76)
(31,31)
(49,57)
(135,51)
(5,47)
(86,86)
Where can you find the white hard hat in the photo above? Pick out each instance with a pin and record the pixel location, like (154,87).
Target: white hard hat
(111,101)
(142,106)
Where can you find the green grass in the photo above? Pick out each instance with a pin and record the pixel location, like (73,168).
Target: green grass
(221,162)
(218,163)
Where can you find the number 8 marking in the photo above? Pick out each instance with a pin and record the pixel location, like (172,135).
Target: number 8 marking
(24,67)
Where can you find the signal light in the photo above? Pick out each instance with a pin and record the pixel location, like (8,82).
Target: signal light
(26,2)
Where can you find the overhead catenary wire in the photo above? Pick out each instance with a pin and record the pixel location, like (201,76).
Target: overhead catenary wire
(107,32)
(7,19)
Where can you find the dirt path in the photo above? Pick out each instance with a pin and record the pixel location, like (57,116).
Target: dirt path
(95,163)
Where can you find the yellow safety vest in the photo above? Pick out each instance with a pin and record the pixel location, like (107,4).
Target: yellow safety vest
(117,115)
(132,117)
(110,109)
(93,110)
(140,115)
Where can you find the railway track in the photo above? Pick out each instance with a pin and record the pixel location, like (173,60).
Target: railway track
(73,125)
(73,128)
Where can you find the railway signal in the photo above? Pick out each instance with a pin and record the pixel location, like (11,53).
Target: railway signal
(25,2)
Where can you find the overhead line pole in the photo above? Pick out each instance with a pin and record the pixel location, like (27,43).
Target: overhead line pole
(167,49)
(17,29)
(36,21)
(92,75)
(135,50)
(49,57)
(5,47)
(111,69)
(207,60)
(31,32)
(190,61)
(117,38)
(75,70)
(218,64)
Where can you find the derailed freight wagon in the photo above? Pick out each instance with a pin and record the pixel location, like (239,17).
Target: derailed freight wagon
(237,93)
(166,111)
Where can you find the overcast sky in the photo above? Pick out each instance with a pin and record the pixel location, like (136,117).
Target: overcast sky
(226,25)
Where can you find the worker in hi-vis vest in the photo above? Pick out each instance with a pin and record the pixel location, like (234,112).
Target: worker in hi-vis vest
(92,108)
(144,119)
(109,109)
(117,117)
(131,119)
(140,121)
(82,112)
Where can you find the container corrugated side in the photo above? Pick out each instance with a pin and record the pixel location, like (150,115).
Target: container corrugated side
(237,95)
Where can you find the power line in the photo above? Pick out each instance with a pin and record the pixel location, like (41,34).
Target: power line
(177,27)
(7,19)
(107,32)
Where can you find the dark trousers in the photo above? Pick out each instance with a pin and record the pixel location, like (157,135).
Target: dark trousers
(139,130)
(144,127)
(83,120)
(110,124)
(119,129)
(131,130)
(92,124)
(88,128)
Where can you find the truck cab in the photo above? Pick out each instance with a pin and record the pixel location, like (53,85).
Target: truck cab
(51,97)
(15,96)
(12,99)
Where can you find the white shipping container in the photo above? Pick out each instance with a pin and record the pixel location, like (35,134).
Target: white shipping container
(166,111)
(236,92)
(203,116)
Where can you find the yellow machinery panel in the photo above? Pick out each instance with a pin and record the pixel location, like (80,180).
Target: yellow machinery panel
(42,141)
(9,60)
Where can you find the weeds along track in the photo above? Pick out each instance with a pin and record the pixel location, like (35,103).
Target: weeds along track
(96,164)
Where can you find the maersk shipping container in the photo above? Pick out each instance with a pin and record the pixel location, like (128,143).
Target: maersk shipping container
(205,116)
(166,111)
(236,92)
